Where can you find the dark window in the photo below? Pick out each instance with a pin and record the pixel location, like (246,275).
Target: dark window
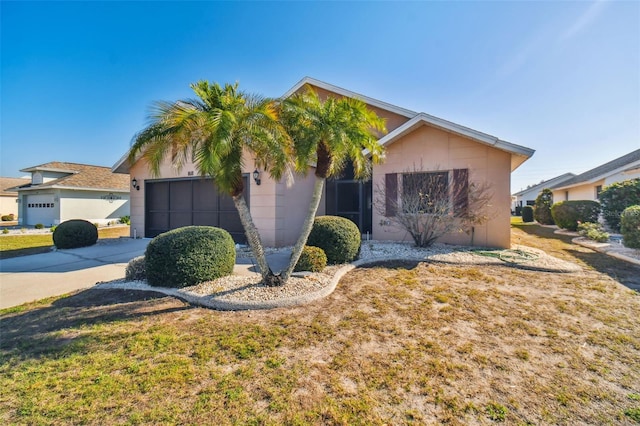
(531,202)
(598,191)
(425,192)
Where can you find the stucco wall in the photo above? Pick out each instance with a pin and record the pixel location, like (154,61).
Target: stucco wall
(430,149)
(586,191)
(94,206)
(619,177)
(8,205)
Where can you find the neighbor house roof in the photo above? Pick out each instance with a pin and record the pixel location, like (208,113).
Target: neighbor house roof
(8,185)
(620,164)
(80,176)
(519,154)
(547,183)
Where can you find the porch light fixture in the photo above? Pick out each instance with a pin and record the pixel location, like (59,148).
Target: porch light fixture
(256,176)
(134,183)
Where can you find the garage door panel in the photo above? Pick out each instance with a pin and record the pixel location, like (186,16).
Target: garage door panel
(173,204)
(40,208)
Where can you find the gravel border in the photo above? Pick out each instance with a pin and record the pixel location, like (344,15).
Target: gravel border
(235,293)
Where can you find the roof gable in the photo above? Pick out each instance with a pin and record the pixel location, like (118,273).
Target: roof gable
(607,169)
(80,176)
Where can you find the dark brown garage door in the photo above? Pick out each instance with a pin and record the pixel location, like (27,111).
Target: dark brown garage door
(171,204)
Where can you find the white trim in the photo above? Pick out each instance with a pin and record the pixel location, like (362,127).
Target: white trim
(121,162)
(75,188)
(344,92)
(48,169)
(620,169)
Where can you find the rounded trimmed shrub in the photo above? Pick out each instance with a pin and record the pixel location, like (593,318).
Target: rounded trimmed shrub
(75,233)
(630,226)
(527,214)
(312,259)
(187,256)
(567,214)
(542,211)
(136,269)
(337,236)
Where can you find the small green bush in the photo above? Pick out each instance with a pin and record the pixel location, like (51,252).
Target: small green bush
(542,212)
(527,214)
(616,197)
(53,229)
(8,217)
(75,233)
(187,256)
(39,226)
(312,259)
(593,231)
(136,269)
(567,214)
(630,226)
(126,220)
(337,236)
(5,231)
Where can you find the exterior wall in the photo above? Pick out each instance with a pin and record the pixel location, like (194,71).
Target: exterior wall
(9,205)
(292,207)
(94,206)
(431,149)
(622,176)
(586,191)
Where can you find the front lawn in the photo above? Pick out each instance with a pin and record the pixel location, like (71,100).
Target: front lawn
(24,244)
(394,344)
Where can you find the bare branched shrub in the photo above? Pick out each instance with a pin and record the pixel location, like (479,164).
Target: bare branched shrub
(430,204)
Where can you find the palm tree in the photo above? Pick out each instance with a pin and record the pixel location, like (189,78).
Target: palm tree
(330,133)
(213,131)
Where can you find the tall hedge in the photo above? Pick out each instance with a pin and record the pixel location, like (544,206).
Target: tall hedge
(567,214)
(190,255)
(542,212)
(630,226)
(616,197)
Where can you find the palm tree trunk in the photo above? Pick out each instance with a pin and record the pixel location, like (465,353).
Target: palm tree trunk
(306,229)
(253,238)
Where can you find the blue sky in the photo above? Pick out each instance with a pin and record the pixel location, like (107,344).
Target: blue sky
(77,78)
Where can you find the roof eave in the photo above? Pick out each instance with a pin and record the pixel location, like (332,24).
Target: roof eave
(75,188)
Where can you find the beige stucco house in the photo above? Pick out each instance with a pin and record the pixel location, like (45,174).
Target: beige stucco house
(61,191)
(527,197)
(9,195)
(413,139)
(588,185)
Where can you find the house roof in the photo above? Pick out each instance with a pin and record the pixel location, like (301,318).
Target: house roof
(8,185)
(519,154)
(547,183)
(81,176)
(620,164)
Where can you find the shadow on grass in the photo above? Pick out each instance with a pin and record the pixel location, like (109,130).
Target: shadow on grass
(625,273)
(46,330)
(392,264)
(8,254)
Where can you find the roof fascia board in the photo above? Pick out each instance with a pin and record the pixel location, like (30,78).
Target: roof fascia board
(48,169)
(348,93)
(74,188)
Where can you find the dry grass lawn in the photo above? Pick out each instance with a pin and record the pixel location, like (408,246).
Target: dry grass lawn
(394,344)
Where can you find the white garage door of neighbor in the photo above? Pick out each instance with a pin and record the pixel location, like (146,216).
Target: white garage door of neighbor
(40,209)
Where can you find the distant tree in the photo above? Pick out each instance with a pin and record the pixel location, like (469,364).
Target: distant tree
(431,204)
(542,210)
(616,197)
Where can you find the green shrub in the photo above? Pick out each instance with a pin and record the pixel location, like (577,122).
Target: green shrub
(312,259)
(630,226)
(5,231)
(337,236)
(593,231)
(8,217)
(75,233)
(39,226)
(53,229)
(567,214)
(136,269)
(187,256)
(527,214)
(126,220)
(616,197)
(542,212)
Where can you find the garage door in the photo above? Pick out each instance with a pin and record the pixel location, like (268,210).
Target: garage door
(40,209)
(171,204)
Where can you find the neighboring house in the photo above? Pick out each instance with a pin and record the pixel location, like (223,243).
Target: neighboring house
(527,197)
(414,140)
(588,185)
(9,195)
(62,191)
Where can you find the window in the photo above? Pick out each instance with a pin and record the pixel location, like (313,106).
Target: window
(598,191)
(531,202)
(441,192)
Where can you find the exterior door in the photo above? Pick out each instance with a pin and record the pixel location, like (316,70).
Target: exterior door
(350,198)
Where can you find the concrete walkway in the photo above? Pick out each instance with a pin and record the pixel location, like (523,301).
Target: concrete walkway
(28,278)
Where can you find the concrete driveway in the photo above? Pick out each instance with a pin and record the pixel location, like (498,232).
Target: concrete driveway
(28,278)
